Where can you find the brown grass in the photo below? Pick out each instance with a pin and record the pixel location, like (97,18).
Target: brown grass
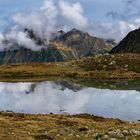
(50,127)
(122,66)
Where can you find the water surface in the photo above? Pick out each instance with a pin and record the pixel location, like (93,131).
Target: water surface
(58,97)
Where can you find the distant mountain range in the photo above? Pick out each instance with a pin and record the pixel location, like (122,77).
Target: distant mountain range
(63,46)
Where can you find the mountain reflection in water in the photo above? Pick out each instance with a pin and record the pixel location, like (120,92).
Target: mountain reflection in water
(59,96)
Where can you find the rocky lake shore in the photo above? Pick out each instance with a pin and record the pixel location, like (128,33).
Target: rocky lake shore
(15,126)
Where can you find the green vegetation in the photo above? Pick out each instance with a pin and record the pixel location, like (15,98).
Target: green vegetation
(108,84)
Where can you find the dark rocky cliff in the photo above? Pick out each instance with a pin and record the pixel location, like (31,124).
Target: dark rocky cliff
(130,44)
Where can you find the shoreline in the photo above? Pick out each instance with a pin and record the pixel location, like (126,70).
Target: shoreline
(51,78)
(16,126)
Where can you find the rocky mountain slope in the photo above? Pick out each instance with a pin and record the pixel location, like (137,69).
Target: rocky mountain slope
(82,43)
(130,44)
(63,46)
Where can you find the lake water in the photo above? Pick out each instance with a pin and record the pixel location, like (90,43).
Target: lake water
(61,96)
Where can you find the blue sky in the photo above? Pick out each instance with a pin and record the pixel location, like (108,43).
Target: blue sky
(124,15)
(94,9)
(9,7)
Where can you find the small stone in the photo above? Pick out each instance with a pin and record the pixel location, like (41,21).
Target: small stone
(104,66)
(97,135)
(112,134)
(113,139)
(77,136)
(125,132)
(70,135)
(112,63)
(106,137)
(58,135)
(126,66)
(83,129)
(120,135)
(46,133)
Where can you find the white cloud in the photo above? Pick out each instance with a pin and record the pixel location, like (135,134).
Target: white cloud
(2,46)
(74,13)
(45,21)
(42,21)
(117,30)
(51,17)
(22,39)
(49,97)
(137,22)
(50,14)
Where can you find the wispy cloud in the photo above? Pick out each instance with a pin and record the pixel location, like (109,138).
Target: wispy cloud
(55,15)
(131,10)
(46,21)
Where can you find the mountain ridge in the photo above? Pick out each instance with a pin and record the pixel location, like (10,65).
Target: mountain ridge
(130,44)
(63,46)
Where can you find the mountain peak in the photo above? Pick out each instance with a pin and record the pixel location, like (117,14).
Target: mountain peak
(62,46)
(61,32)
(130,44)
(75,30)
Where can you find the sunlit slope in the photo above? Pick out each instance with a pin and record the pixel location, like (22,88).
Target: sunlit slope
(63,46)
(121,66)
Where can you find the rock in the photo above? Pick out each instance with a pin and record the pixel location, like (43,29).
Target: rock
(135,132)
(46,133)
(58,135)
(125,132)
(43,137)
(70,135)
(77,136)
(114,134)
(53,131)
(97,135)
(83,129)
(120,135)
(130,44)
(105,137)
(104,66)
(112,63)
(126,66)
(112,56)
(113,139)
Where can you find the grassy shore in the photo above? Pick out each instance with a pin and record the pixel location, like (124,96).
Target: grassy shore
(121,66)
(59,127)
